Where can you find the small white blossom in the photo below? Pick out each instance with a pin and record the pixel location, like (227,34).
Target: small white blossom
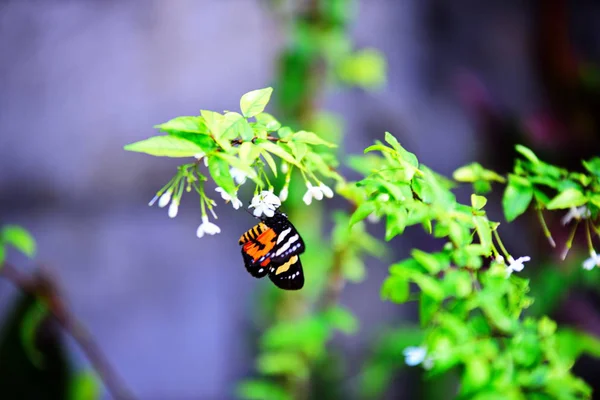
(151,203)
(238,176)
(415,355)
(207,227)
(575,213)
(235,202)
(284,167)
(373,218)
(383,197)
(173,208)
(313,192)
(326,190)
(200,155)
(516,265)
(165,198)
(591,262)
(499,259)
(265,203)
(283,195)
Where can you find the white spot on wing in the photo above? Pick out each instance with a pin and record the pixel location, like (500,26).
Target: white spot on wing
(283,234)
(287,245)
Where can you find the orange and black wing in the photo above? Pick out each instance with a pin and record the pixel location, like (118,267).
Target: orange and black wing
(255,247)
(287,275)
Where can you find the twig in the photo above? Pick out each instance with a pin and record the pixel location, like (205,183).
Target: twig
(42,286)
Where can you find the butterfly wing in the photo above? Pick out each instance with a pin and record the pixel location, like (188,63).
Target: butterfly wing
(288,243)
(254,249)
(287,275)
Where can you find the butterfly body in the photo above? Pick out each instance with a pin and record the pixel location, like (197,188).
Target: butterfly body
(272,247)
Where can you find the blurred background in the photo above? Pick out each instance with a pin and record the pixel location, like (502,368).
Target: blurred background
(173,314)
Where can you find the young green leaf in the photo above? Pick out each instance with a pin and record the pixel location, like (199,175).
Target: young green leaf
(569,198)
(517,196)
(484,232)
(310,138)
(261,390)
(165,146)
(395,288)
(236,126)
(268,121)
(183,124)
(254,102)
(278,151)
(362,212)
(249,152)
(478,202)
(269,159)
(527,153)
(219,170)
(19,238)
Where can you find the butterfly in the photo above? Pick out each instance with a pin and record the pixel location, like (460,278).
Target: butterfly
(273,247)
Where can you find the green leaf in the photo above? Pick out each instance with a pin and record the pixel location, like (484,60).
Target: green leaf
(219,170)
(254,102)
(270,161)
(362,212)
(213,121)
(188,124)
(427,308)
(593,166)
(458,282)
(32,319)
(282,363)
(249,152)
(242,166)
(478,202)
(517,196)
(278,151)
(19,238)
(395,288)
(236,126)
(268,121)
(261,390)
(569,198)
(2,254)
(364,68)
(84,386)
(432,287)
(206,142)
(341,319)
(310,138)
(395,223)
(484,232)
(477,373)
(431,263)
(165,146)
(527,153)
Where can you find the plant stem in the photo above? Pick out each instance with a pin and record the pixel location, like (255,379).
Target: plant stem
(42,286)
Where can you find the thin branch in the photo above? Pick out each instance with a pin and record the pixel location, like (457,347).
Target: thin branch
(42,286)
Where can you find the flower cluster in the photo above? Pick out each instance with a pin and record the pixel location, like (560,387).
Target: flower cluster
(265,203)
(415,355)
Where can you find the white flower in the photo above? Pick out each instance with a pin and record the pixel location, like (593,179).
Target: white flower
(283,195)
(415,355)
(591,262)
(284,167)
(238,176)
(575,213)
(265,203)
(200,155)
(173,208)
(373,218)
(235,202)
(151,203)
(165,198)
(516,265)
(207,227)
(499,259)
(313,192)
(326,190)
